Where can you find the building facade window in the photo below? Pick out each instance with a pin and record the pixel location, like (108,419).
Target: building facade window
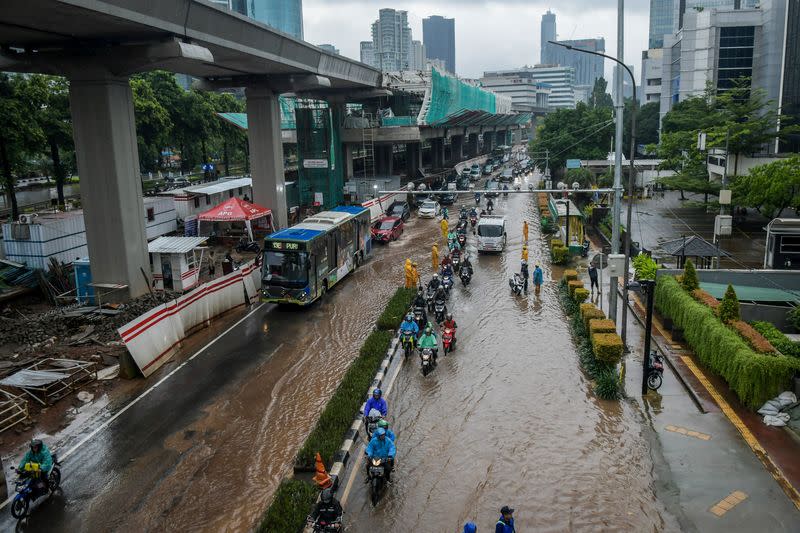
(736,46)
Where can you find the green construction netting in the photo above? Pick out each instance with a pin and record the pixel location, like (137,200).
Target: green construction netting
(450,95)
(287,115)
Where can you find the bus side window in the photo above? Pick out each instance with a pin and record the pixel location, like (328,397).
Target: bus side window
(321,251)
(333,249)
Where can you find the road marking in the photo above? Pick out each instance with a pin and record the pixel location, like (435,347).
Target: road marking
(122,411)
(688,432)
(748,436)
(355,469)
(727,503)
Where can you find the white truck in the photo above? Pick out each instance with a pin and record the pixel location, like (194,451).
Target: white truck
(491,232)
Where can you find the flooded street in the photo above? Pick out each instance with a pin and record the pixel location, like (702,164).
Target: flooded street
(509,419)
(205,450)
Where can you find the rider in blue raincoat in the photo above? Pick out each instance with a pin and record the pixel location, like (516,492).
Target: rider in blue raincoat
(409,325)
(382,447)
(376,402)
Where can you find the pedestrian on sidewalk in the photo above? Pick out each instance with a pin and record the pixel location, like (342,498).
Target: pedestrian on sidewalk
(538,278)
(525,231)
(444,226)
(593,278)
(435,257)
(505,524)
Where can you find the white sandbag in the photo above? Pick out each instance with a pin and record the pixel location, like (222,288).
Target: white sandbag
(772,407)
(787,398)
(776,420)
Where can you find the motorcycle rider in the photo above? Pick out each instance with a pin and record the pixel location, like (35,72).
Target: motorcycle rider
(376,402)
(328,509)
(477,198)
(383,423)
(450,323)
(435,282)
(445,213)
(39,453)
(447,269)
(381,447)
(465,263)
(409,325)
(489,205)
(446,260)
(428,340)
(419,299)
(473,212)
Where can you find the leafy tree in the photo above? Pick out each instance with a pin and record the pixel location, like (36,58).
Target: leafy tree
(770,188)
(646,124)
(20,134)
(600,97)
(729,307)
(689,280)
(153,124)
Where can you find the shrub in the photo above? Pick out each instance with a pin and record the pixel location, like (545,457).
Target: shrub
(777,339)
(570,274)
(606,384)
(560,255)
(572,285)
(337,417)
(607,347)
(586,306)
(689,279)
(290,506)
(555,243)
(645,267)
(729,307)
(590,314)
(581,294)
(396,309)
(602,325)
(755,378)
(704,298)
(755,339)
(793,317)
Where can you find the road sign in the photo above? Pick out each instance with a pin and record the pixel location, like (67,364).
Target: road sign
(315,163)
(573,163)
(208,167)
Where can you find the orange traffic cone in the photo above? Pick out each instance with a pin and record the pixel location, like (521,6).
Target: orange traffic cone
(321,478)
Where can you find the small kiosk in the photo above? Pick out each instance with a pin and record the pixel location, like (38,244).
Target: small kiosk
(234,219)
(175,262)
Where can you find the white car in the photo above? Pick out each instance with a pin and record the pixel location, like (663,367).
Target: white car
(491,232)
(429,209)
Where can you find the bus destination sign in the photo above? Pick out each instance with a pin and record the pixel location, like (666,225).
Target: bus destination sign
(278,245)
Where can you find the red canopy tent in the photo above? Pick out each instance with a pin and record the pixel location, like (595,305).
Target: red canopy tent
(238,210)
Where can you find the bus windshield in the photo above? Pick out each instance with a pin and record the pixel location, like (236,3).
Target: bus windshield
(289,269)
(490,230)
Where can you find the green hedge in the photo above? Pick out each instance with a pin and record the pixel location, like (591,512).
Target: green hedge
(780,341)
(560,255)
(755,378)
(396,309)
(338,415)
(290,507)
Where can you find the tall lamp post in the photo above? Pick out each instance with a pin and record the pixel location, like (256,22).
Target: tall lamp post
(631,184)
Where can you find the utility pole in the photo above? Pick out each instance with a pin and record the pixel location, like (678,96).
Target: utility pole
(619,106)
(649,289)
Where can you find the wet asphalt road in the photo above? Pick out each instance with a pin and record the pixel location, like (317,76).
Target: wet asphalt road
(206,449)
(509,419)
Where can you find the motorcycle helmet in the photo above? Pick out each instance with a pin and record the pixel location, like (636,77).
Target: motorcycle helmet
(435,275)
(377,392)
(326,496)
(409,317)
(36,445)
(449,316)
(382,423)
(380,432)
(428,330)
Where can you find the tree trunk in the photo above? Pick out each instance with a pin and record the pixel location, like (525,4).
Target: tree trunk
(8,178)
(682,196)
(58,170)
(246,156)
(225,157)
(206,173)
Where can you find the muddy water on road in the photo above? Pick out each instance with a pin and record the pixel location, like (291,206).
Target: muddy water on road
(510,419)
(222,470)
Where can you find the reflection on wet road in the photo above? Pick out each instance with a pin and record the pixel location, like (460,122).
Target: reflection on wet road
(206,450)
(509,419)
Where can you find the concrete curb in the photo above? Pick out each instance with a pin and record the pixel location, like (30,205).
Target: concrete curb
(342,456)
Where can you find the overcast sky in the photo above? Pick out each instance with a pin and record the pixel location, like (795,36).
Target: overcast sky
(490,34)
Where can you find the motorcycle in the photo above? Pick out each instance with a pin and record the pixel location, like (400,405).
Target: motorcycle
(473,220)
(455,257)
(505,191)
(449,340)
(447,282)
(462,215)
(373,417)
(654,376)
(465,275)
(420,317)
(439,311)
(426,361)
(377,478)
(490,208)
(323,526)
(244,246)
(429,297)
(30,486)
(516,283)
(462,239)
(408,340)
(477,199)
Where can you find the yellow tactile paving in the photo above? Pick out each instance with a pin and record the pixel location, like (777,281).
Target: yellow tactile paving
(747,435)
(688,432)
(728,503)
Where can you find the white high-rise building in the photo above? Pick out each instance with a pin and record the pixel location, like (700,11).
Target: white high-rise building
(367,51)
(561,81)
(418,55)
(391,40)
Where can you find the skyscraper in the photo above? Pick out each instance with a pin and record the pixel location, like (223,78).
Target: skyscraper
(680,7)
(391,40)
(439,37)
(548,34)
(283,15)
(587,67)
(417,55)
(367,50)
(661,13)
(329,48)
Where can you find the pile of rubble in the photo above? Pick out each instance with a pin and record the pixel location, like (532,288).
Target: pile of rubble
(23,333)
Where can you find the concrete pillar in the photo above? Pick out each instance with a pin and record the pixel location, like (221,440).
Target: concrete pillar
(437,152)
(472,145)
(348,161)
(384,160)
(489,138)
(266,152)
(501,138)
(104,129)
(413,159)
(457,148)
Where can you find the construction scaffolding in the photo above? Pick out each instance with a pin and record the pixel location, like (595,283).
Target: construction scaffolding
(319,154)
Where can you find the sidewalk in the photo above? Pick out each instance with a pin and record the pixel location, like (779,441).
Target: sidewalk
(708,475)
